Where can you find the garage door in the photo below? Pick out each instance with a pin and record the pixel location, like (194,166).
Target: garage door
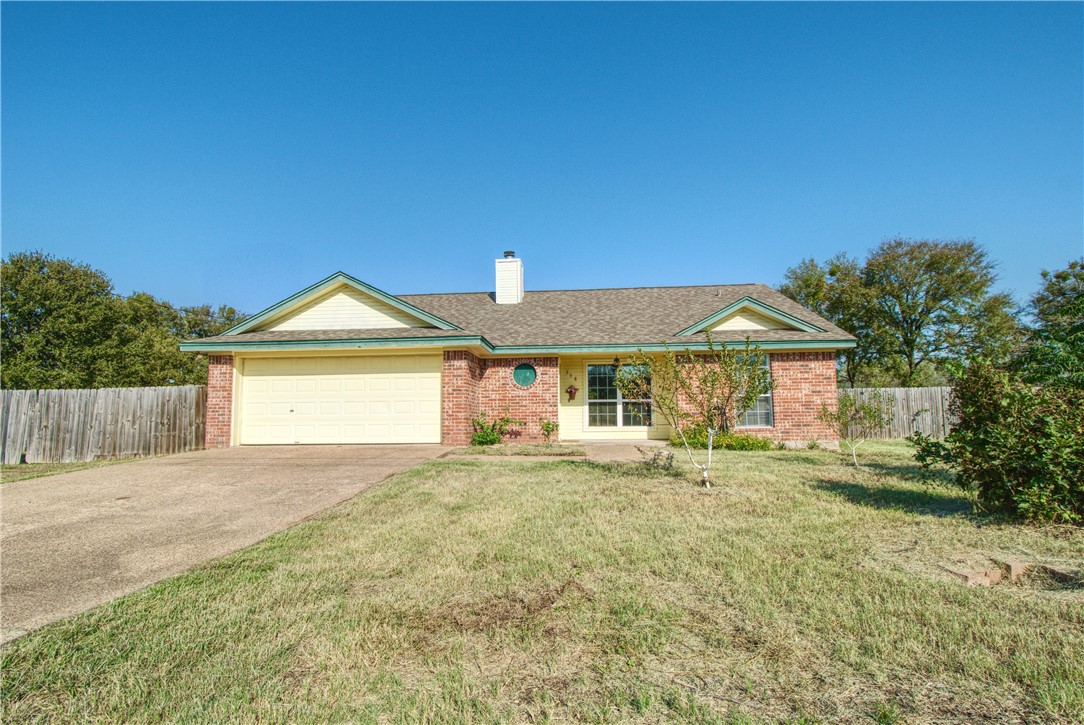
(341,400)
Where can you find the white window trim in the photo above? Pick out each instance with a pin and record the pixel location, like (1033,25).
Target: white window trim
(771,401)
(620,399)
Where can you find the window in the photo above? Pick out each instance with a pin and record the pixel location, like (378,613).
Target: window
(761,413)
(606,407)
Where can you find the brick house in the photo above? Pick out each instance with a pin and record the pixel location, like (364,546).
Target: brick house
(344,362)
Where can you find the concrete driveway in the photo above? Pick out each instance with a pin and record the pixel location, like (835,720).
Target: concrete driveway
(77,540)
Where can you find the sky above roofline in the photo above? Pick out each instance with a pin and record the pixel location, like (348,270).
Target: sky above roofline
(235,152)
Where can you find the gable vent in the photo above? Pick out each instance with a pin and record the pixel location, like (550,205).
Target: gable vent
(509,289)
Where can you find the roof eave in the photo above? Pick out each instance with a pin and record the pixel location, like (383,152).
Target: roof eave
(327,283)
(479,341)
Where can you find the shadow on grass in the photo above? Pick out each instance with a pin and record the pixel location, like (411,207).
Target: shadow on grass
(930,502)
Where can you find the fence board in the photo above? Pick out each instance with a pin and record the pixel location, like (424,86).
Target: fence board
(54,426)
(923,410)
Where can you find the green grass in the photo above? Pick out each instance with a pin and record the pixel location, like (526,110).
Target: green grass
(24,471)
(796,589)
(523,449)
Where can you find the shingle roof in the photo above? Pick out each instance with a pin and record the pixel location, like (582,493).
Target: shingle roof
(623,316)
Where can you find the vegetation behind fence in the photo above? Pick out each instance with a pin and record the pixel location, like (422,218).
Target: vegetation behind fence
(61,426)
(925,410)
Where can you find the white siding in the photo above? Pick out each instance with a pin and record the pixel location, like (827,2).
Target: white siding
(345,309)
(746,319)
(509,284)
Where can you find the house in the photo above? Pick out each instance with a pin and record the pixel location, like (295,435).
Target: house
(344,362)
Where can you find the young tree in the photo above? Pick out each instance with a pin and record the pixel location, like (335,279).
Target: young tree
(855,420)
(711,388)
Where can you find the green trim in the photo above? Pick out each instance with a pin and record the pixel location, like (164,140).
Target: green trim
(241,345)
(659,347)
(479,341)
(327,283)
(756,305)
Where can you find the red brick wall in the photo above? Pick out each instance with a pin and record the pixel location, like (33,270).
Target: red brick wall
(219,401)
(803,382)
(472,385)
(460,380)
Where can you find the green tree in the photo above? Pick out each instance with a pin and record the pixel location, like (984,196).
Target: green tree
(933,302)
(837,292)
(1054,351)
(857,420)
(57,318)
(65,327)
(709,389)
(913,305)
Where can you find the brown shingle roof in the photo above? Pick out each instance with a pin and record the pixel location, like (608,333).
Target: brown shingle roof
(624,316)
(637,316)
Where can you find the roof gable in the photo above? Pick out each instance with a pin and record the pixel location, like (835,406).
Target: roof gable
(340,302)
(749,314)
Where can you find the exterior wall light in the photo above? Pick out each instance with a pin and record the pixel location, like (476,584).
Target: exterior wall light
(572,390)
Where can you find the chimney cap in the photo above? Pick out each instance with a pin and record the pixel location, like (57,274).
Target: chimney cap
(509,254)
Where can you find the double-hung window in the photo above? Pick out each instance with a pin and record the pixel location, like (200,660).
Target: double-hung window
(607,408)
(760,415)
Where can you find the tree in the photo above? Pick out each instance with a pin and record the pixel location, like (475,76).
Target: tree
(856,420)
(932,301)
(712,389)
(913,305)
(837,292)
(1054,351)
(63,326)
(58,318)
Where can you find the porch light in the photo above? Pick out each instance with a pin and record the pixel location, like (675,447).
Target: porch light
(572,390)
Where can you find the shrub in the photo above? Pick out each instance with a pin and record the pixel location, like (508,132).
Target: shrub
(549,427)
(697,436)
(487,433)
(1017,446)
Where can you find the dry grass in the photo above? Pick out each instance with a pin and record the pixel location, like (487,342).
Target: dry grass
(23,471)
(523,449)
(466,591)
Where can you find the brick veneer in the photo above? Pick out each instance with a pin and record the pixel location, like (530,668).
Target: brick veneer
(803,382)
(219,402)
(471,385)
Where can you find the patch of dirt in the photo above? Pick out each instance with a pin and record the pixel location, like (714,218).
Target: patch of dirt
(504,610)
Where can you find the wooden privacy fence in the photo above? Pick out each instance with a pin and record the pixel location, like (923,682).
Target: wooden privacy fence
(61,426)
(913,409)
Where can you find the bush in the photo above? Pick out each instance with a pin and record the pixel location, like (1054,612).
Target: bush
(548,428)
(488,433)
(697,436)
(1018,447)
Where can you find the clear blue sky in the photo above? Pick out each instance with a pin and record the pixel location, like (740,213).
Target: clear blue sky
(235,153)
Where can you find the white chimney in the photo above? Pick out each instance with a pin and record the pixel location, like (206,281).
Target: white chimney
(509,280)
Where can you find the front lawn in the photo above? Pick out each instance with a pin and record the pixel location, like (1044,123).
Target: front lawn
(473,591)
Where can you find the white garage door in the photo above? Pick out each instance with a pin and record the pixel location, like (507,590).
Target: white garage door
(341,400)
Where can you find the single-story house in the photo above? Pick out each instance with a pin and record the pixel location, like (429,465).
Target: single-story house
(344,362)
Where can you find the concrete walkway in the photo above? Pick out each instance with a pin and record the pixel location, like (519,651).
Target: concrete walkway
(77,540)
